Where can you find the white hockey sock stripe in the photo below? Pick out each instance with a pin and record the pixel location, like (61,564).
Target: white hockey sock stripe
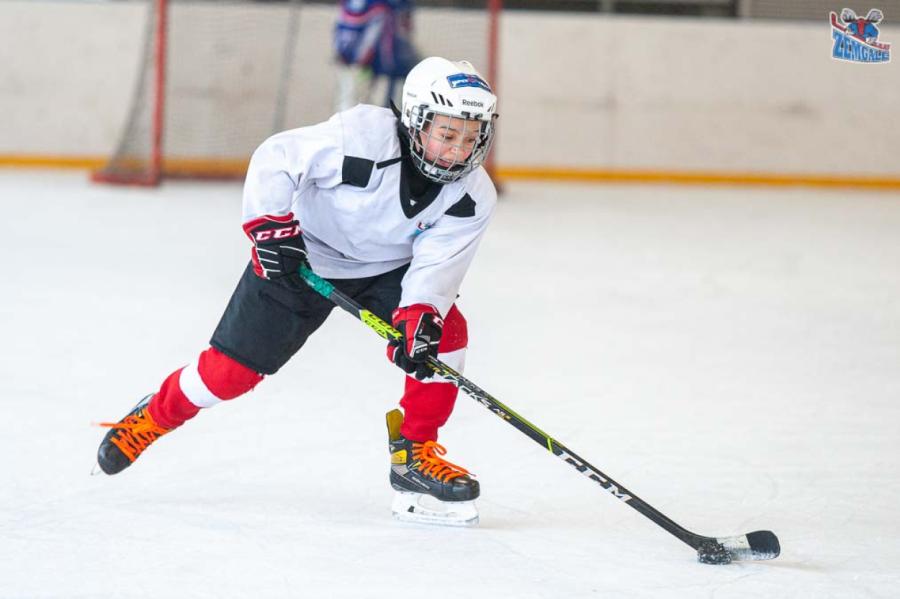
(195,389)
(454,359)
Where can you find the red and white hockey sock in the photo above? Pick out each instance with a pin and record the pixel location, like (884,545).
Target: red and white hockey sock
(211,379)
(428,404)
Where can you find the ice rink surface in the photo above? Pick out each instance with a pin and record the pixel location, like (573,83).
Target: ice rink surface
(730,355)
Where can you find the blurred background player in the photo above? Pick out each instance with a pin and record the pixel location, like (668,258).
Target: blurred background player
(373,41)
(389,207)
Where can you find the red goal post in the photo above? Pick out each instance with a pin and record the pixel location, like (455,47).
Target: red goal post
(216,78)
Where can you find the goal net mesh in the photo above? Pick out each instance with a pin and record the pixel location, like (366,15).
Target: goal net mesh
(233,73)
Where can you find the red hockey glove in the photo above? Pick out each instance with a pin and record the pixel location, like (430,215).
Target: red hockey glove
(421,327)
(278,249)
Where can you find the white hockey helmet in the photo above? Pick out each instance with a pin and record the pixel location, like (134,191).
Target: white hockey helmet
(437,86)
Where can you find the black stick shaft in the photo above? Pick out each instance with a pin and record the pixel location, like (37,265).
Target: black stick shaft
(386,331)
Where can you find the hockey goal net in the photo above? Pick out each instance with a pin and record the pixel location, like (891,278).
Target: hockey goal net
(216,78)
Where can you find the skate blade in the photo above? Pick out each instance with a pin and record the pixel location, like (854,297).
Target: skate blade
(419,508)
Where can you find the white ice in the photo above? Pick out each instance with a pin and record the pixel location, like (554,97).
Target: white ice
(730,355)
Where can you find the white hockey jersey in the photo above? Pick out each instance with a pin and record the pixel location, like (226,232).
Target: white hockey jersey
(342,180)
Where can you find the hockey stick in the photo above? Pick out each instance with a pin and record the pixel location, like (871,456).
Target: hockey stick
(759,545)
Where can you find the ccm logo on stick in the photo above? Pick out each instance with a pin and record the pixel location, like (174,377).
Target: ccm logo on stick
(277,233)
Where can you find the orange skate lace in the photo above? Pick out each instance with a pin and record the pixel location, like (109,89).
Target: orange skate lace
(431,465)
(136,432)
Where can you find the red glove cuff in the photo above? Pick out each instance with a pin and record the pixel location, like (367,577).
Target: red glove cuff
(266,228)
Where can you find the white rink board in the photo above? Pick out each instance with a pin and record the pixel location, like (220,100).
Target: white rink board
(590,91)
(729,355)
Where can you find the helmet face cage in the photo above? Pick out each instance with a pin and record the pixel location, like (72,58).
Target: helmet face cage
(422,133)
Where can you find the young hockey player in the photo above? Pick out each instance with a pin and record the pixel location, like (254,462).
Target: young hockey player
(391,210)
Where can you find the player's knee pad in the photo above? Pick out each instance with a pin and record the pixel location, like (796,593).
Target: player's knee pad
(215,377)
(455,334)
(454,339)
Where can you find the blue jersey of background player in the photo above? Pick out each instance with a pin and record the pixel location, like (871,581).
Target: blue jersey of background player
(372,38)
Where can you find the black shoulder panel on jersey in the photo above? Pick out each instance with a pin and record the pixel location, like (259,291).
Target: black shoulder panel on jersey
(463,208)
(356,171)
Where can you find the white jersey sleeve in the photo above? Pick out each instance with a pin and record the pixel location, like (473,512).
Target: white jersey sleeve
(288,163)
(443,252)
